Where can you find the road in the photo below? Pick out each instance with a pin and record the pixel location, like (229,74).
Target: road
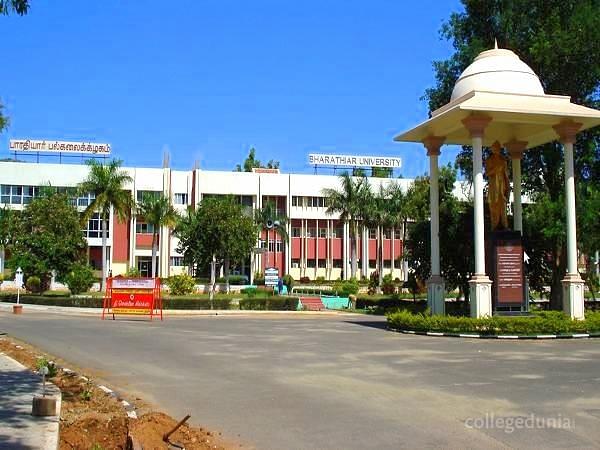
(338,382)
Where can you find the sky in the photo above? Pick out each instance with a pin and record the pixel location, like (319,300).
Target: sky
(206,80)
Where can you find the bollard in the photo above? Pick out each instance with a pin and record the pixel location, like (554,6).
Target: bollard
(42,405)
(17,309)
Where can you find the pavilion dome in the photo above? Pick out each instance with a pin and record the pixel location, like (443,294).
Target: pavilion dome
(498,70)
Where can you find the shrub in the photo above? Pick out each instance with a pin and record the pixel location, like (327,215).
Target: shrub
(554,322)
(270,304)
(80,278)
(181,284)
(259,278)
(196,303)
(43,362)
(320,280)
(33,284)
(133,272)
(304,280)
(236,280)
(345,288)
(250,292)
(288,280)
(1,277)
(388,286)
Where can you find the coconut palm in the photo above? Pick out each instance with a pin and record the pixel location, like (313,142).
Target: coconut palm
(269,218)
(349,203)
(107,182)
(157,211)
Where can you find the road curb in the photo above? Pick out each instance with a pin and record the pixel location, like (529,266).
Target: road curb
(499,336)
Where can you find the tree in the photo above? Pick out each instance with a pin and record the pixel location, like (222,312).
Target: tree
(267,218)
(252,163)
(349,203)
(158,212)
(107,182)
(456,233)
(382,172)
(558,40)
(401,211)
(46,236)
(218,230)
(21,7)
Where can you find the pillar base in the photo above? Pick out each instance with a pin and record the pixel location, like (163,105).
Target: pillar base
(481,296)
(573,298)
(436,295)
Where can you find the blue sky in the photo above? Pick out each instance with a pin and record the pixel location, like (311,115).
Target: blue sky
(206,80)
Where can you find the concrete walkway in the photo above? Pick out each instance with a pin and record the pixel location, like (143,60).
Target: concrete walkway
(19,430)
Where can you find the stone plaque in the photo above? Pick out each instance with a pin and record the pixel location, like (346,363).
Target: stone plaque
(508,272)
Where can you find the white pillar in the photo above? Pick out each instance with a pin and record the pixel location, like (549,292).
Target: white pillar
(480,284)
(573,297)
(515,149)
(436,293)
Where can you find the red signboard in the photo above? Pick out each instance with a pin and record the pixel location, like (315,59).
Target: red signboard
(508,270)
(133,296)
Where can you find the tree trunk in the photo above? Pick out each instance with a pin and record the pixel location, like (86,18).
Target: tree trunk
(226,270)
(353,251)
(154,271)
(380,257)
(103,285)
(558,273)
(211,292)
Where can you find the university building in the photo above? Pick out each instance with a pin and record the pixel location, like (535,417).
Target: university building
(318,244)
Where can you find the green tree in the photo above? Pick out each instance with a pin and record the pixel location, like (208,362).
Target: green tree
(252,163)
(269,218)
(107,182)
(158,212)
(20,7)
(46,236)
(349,203)
(382,172)
(559,40)
(456,233)
(219,230)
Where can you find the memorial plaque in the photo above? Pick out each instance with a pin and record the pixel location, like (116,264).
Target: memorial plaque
(508,273)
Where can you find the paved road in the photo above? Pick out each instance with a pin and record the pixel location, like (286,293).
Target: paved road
(339,382)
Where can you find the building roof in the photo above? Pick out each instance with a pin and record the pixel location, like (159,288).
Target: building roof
(501,86)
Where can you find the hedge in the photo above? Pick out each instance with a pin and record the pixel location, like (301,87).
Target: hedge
(543,322)
(270,304)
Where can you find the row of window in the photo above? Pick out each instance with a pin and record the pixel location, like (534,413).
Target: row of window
(309,202)
(94,227)
(312,232)
(337,263)
(23,194)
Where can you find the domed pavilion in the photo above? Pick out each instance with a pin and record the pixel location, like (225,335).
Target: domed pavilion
(499,98)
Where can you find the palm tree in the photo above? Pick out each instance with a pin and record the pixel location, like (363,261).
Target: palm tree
(378,215)
(157,211)
(349,203)
(400,208)
(269,218)
(107,183)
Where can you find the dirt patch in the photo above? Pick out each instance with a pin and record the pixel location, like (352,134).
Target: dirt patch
(92,419)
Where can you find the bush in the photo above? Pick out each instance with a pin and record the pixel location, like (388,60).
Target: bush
(345,288)
(33,284)
(270,304)
(133,272)
(250,292)
(553,322)
(288,280)
(80,278)
(320,280)
(304,280)
(1,277)
(196,303)
(388,286)
(181,284)
(235,280)
(50,365)
(259,278)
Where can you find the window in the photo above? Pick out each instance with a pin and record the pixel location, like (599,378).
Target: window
(311,232)
(295,232)
(321,201)
(372,233)
(141,194)
(16,193)
(94,227)
(372,264)
(275,246)
(85,200)
(322,263)
(5,190)
(337,233)
(295,263)
(180,198)
(387,263)
(337,263)
(296,201)
(397,234)
(28,194)
(322,232)
(143,228)
(387,234)
(176,261)
(246,200)
(310,263)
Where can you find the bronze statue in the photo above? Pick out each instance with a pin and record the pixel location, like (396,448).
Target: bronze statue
(498,187)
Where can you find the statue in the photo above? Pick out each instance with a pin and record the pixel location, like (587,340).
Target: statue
(498,187)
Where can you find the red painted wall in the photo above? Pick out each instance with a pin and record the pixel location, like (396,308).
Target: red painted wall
(337,248)
(120,238)
(144,240)
(296,247)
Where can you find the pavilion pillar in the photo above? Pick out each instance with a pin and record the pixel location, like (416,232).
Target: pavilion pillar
(515,149)
(573,297)
(436,293)
(480,284)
